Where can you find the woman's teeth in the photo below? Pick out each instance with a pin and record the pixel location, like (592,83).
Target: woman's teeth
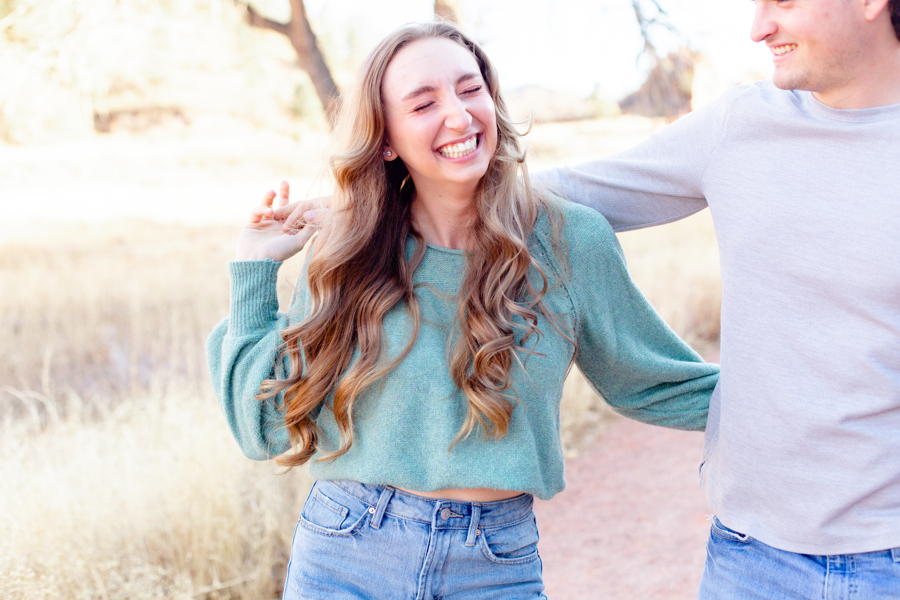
(459,150)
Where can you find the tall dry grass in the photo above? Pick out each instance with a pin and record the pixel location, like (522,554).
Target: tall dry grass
(120,479)
(151,500)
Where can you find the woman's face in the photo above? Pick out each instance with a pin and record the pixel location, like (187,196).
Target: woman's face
(440,116)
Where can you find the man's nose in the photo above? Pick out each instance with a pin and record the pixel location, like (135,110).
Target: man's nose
(763,22)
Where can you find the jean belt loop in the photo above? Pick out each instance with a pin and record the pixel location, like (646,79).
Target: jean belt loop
(473,525)
(895,554)
(383,500)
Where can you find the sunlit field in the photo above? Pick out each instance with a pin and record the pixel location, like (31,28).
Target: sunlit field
(119,476)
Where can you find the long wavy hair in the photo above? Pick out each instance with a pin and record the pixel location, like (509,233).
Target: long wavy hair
(360,269)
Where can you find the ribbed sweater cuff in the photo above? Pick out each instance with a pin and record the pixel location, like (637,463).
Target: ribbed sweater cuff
(254,295)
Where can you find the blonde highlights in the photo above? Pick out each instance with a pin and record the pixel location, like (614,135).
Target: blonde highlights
(360,270)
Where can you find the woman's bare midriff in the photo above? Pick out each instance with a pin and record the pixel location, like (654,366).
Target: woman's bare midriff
(467,494)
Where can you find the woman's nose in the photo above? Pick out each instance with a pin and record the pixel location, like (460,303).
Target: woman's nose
(457,116)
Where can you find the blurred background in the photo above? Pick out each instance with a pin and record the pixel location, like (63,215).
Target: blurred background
(135,135)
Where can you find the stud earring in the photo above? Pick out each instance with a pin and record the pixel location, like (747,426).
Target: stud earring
(389,154)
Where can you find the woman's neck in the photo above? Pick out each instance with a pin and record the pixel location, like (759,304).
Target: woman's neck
(444,218)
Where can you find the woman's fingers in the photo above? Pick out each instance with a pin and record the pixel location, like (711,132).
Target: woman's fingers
(302,236)
(295,220)
(284,194)
(259,213)
(292,214)
(283,212)
(264,210)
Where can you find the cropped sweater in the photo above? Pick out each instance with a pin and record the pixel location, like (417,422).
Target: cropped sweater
(405,424)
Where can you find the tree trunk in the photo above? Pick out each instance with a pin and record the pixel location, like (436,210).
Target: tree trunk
(302,38)
(667,90)
(304,42)
(446,10)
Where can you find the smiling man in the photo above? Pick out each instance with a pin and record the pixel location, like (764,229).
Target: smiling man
(802,176)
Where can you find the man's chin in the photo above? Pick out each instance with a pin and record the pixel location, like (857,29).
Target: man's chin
(787,81)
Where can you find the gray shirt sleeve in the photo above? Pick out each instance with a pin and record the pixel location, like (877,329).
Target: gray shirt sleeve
(655,182)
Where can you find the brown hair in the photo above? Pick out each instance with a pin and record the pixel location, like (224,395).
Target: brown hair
(894,6)
(360,269)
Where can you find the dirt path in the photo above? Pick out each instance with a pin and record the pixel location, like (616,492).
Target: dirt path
(631,524)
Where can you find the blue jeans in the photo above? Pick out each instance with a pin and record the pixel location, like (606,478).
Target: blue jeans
(359,541)
(740,567)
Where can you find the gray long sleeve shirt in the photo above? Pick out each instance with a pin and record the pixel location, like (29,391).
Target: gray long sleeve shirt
(803,439)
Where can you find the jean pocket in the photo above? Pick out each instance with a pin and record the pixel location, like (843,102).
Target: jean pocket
(514,544)
(328,516)
(725,533)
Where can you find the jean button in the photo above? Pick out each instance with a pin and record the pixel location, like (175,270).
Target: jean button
(445,514)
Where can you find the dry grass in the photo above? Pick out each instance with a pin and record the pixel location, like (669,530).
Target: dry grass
(120,477)
(152,500)
(677,268)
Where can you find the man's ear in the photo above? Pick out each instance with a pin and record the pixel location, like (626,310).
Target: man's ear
(873,8)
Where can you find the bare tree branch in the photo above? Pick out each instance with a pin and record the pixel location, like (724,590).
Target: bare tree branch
(446,10)
(302,38)
(304,42)
(646,22)
(254,19)
(667,90)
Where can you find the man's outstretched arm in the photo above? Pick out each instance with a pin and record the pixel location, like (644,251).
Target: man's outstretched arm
(655,182)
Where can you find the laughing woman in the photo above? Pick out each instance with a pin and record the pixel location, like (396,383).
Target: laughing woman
(421,363)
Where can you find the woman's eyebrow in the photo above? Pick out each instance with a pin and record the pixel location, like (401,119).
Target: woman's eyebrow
(430,88)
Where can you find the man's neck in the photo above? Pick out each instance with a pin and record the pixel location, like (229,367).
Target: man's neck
(876,83)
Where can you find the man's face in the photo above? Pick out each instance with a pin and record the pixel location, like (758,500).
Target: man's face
(816,45)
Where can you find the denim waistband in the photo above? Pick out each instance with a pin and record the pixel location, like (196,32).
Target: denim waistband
(442,514)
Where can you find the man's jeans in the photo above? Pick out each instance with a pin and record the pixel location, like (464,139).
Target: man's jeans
(739,567)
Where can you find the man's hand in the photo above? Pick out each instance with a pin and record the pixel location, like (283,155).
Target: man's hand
(266,236)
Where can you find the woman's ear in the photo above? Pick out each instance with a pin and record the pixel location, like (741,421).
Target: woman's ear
(387,153)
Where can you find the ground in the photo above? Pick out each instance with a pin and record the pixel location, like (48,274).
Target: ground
(632,522)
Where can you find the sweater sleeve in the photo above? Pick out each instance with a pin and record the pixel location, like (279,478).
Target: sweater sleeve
(242,352)
(655,182)
(626,351)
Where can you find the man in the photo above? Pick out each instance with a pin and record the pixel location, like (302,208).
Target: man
(802,176)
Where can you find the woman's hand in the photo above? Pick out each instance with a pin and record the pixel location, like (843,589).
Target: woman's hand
(264,236)
(309,211)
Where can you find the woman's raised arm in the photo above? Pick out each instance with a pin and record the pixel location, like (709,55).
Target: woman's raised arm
(244,349)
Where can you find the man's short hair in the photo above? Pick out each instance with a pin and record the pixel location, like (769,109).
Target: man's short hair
(894,5)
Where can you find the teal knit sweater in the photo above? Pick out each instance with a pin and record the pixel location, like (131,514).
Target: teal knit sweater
(404,426)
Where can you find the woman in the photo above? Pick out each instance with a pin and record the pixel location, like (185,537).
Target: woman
(423,357)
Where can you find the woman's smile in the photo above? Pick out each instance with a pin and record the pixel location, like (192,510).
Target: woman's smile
(464,149)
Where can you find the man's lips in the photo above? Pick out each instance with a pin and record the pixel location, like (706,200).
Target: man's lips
(782,49)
